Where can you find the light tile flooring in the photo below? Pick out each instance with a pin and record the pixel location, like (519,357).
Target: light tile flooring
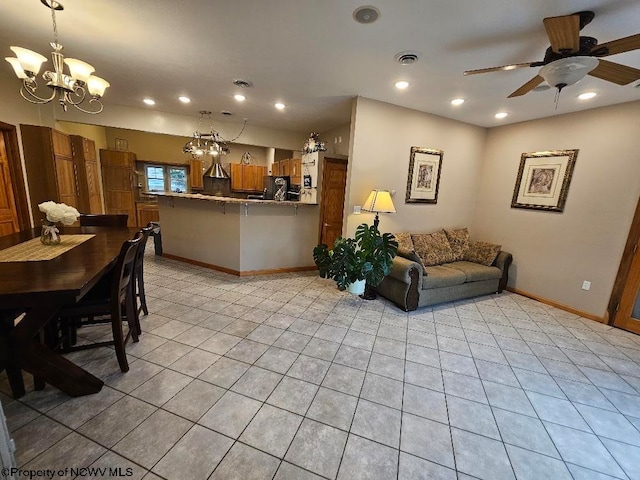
(284,377)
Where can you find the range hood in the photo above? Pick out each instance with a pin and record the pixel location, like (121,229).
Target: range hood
(215,170)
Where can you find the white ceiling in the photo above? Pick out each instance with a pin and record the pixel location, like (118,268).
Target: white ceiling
(312,55)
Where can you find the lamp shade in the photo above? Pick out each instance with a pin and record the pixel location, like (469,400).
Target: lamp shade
(568,71)
(97,86)
(79,70)
(379,201)
(30,61)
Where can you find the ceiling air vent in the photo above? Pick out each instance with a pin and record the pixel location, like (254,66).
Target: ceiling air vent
(238,82)
(226,113)
(407,57)
(366,14)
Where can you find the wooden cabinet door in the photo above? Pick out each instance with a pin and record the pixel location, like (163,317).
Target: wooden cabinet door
(275,169)
(296,171)
(61,143)
(285,169)
(117,182)
(93,185)
(147,213)
(236,172)
(195,174)
(250,178)
(261,173)
(67,180)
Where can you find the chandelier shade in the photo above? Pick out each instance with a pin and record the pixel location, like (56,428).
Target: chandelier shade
(69,89)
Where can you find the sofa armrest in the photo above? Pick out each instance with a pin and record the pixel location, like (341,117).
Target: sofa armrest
(503,261)
(402,285)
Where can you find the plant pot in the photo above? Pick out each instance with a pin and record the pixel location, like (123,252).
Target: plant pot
(357,287)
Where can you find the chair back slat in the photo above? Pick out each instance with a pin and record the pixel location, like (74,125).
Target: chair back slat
(123,271)
(110,220)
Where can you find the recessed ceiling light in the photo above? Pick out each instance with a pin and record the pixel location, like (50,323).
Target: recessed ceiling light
(457,101)
(184,99)
(366,14)
(279,106)
(401,85)
(240,98)
(587,95)
(501,115)
(149,101)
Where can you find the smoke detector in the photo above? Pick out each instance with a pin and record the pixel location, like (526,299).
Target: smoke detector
(408,57)
(238,82)
(366,14)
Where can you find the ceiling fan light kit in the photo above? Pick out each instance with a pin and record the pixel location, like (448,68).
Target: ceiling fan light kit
(70,89)
(571,57)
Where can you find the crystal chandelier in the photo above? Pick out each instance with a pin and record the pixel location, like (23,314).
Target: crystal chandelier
(206,143)
(69,89)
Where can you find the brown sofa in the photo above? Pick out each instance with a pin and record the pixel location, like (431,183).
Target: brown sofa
(443,266)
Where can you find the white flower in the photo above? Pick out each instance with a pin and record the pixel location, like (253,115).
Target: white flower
(59,212)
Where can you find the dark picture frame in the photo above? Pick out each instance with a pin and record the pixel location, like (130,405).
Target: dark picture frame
(423,180)
(543,180)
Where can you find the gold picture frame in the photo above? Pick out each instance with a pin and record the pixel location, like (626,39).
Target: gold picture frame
(423,181)
(543,180)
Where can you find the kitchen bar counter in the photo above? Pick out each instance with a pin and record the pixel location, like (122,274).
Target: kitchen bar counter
(213,198)
(238,236)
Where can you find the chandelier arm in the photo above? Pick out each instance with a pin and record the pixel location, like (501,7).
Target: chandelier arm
(93,101)
(81,96)
(28,93)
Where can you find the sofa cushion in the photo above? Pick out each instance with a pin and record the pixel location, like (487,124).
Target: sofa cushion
(433,248)
(404,240)
(482,252)
(410,255)
(459,241)
(440,276)
(475,272)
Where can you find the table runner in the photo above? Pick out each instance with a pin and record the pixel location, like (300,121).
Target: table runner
(34,251)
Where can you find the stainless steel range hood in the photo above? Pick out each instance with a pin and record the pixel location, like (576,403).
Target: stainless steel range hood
(215,170)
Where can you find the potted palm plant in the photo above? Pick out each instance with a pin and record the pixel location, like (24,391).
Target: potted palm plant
(356,263)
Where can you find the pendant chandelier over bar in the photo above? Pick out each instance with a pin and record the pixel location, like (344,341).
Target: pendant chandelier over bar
(70,89)
(206,143)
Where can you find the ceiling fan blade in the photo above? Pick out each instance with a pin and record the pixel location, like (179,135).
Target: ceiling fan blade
(621,45)
(563,33)
(503,68)
(527,87)
(616,73)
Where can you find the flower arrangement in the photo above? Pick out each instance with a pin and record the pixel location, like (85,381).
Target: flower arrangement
(313,144)
(55,212)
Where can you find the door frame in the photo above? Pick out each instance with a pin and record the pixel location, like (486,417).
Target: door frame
(10,134)
(323,189)
(624,271)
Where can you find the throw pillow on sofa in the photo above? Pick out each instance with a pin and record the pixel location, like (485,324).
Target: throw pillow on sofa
(459,240)
(404,241)
(432,248)
(482,252)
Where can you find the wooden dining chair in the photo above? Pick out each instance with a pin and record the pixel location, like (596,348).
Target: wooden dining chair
(7,356)
(140,300)
(111,220)
(111,300)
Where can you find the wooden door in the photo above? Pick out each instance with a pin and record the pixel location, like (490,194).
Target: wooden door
(8,211)
(66,180)
(236,171)
(624,306)
(334,181)
(61,143)
(84,156)
(195,174)
(92,173)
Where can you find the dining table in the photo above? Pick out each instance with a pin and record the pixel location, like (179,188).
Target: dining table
(40,288)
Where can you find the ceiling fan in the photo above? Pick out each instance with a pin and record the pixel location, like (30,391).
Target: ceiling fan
(570,56)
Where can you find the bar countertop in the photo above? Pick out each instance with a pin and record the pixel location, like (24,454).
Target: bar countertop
(213,198)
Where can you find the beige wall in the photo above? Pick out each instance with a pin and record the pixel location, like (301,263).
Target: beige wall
(554,252)
(337,140)
(382,138)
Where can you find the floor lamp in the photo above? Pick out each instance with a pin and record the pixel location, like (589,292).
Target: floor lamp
(379,201)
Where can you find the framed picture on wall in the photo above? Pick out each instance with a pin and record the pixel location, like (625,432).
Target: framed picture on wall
(543,180)
(425,165)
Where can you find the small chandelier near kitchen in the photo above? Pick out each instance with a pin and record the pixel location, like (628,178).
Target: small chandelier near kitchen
(210,143)
(69,89)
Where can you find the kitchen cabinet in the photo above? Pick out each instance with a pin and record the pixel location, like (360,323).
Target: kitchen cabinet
(247,178)
(289,167)
(296,171)
(118,177)
(147,212)
(84,155)
(52,173)
(195,174)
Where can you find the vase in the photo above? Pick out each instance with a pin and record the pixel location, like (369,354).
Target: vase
(50,234)
(357,287)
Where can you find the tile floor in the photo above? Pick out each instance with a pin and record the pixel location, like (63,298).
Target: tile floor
(284,377)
